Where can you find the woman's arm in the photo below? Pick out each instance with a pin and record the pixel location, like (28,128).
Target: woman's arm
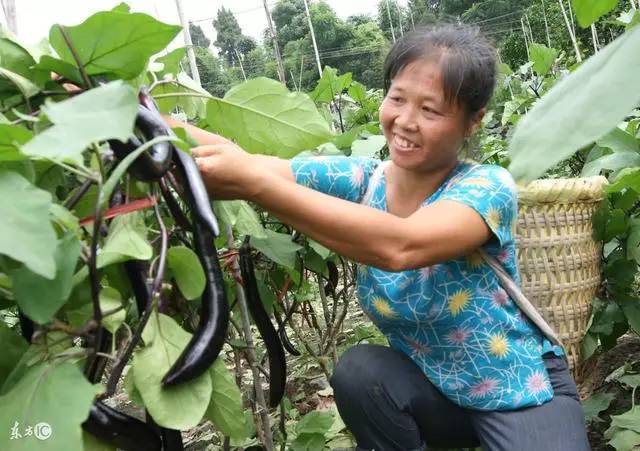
(276,165)
(433,234)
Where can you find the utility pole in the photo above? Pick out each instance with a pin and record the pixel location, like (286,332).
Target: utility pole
(241,66)
(393,34)
(413,25)
(399,17)
(9,8)
(274,37)
(546,25)
(188,44)
(313,38)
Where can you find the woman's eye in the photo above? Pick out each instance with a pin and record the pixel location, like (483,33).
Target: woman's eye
(427,109)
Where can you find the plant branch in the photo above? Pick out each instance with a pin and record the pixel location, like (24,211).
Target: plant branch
(76,57)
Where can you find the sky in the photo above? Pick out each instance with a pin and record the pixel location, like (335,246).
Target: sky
(35,17)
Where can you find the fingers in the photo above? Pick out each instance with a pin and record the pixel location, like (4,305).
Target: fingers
(207,151)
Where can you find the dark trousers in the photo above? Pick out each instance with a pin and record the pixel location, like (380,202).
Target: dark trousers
(387,402)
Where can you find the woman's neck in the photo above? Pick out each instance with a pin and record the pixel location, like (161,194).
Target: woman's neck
(407,189)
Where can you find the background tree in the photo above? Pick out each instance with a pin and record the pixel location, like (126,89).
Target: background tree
(230,38)
(197,36)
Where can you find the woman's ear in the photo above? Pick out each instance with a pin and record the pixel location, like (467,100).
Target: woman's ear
(475,122)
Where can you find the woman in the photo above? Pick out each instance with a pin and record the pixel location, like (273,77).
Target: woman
(465,367)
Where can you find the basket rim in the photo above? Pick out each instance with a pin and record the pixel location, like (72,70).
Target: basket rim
(563,190)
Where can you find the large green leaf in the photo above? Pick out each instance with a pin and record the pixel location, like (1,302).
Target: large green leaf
(315,422)
(17,60)
(262,116)
(40,298)
(330,85)
(11,138)
(106,112)
(25,86)
(48,64)
(596,404)
(225,408)
(191,98)
(187,270)
(127,240)
(114,42)
(588,11)
(13,347)
(542,57)
(26,234)
(110,299)
(579,109)
(54,401)
(278,247)
(171,61)
(624,440)
(369,146)
(611,162)
(180,407)
(241,216)
(308,442)
(619,140)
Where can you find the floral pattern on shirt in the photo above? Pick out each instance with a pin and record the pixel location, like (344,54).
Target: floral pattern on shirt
(453,319)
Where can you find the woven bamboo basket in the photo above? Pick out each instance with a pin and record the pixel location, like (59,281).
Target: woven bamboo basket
(558,258)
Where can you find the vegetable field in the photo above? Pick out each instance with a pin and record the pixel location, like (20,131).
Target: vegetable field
(132,307)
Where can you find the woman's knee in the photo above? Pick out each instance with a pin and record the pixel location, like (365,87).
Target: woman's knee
(355,369)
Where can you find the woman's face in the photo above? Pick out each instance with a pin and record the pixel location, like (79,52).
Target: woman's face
(423,130)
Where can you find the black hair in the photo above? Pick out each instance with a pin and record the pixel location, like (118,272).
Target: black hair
(467,60)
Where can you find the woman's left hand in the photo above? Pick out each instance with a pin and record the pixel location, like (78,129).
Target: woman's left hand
(228,171)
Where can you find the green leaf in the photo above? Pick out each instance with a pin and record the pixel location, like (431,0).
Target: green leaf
(589,345)
(633,243)
(64,217)
(187,270)
(596,404)
(171,61)
(631,309)
(625,440)
(195,106)
(122,8)
(11,138)
(262,116)
(127,240)
(14,346)
(619,141)
(225,408)
(315,422)
(110,299)
(308,442)
(17,61)
(114,42)
(631,380)
(26,234)
(26,87)
(106,112)
(248,222)
(600,218)
(628,420)
(616,225)
(92,443)
(278,247)
(48,64)
(627,178)
(129,386)
(588,11)
(35,401)
(542,57)
(358,92)
(40,298)
(578,110)
(320,249)
(180,407)
(368,147)
(330,85)
(611,162)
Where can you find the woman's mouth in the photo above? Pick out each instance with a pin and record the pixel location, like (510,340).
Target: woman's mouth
(403,144)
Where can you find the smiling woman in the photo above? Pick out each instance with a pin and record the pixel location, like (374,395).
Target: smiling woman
(465,366)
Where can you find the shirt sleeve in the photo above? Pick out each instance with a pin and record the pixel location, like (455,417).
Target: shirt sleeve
(338,176)
(491,191)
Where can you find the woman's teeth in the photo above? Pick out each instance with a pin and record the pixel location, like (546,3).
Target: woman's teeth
(405,143)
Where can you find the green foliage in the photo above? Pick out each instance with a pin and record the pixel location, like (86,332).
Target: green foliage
(284,127)
(568,105)
(229,38)
(588,11)
(186,270)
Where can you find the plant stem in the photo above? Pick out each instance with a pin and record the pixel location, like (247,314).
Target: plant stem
(264,426)
(114,377)
(76,57)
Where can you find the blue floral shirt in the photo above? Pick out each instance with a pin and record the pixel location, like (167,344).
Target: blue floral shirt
(453,319)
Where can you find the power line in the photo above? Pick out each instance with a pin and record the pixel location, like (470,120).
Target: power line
(235,13)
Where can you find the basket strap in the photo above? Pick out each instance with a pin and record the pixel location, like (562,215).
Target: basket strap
(373,182)
(514,291)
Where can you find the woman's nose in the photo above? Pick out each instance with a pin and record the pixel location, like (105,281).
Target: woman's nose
(406,118)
